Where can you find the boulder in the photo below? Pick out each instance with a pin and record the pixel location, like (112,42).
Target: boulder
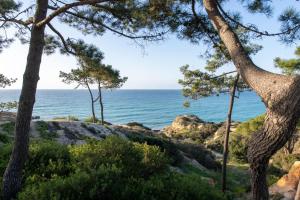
(190,126)
(286,186)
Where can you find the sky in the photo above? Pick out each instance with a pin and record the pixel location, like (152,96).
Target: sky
(156,66)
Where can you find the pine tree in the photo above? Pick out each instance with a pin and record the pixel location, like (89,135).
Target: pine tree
(208,23)
(130,19)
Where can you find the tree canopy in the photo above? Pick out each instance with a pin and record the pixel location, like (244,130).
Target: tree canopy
(289,66)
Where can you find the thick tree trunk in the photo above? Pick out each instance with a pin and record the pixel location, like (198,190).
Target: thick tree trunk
(92,102)
(281,95)
(226,138)
(12,177)
(101,104)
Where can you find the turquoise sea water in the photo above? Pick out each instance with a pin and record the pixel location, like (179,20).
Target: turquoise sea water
(153,108)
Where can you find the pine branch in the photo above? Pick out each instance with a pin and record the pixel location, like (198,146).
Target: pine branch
(66,7)
(260,33)
(62,39)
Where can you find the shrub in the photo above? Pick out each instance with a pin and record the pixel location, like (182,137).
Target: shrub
(168,147)
(5,151)
(90,120)
(47,160)
(283,161)
(115,151)
(239,139)
(8,128)
(108,184)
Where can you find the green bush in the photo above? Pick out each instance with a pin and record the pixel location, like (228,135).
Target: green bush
(5,151)
(283,161)
(170,148)
(107,183)
(90,120)
(131,157)
(238,145)
(8,128)
(47,160)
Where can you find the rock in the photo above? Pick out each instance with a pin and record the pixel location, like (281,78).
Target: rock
(215,142)
(190,126)
(136,125)
(183,122)
(8,116)
(35,117)
(287,185)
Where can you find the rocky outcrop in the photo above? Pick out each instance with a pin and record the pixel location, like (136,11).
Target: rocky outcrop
(286,187)
(7,117)
(190,126)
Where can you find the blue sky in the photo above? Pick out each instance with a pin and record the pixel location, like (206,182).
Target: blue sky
(154,67)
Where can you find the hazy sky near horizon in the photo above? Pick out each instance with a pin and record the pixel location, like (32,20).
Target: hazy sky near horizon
(154,67)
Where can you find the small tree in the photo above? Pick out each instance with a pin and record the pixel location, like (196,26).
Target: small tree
(106,78)
(197,84)
(82,78)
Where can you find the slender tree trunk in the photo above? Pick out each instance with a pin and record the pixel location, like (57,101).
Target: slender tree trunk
(12,177)
(280,94)
(226,138)
(101,103)
(92,102)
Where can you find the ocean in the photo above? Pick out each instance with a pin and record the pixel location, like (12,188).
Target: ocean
(153,108)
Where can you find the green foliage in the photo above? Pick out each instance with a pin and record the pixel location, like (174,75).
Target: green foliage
(91,120)
(107,77)
(134,158)
(238,145)
(197,84)
(4,81)
(47,160)
(43,129)
(284,161)
(8,128)
(107,183)
(168,147)
(289,66)
(5,152)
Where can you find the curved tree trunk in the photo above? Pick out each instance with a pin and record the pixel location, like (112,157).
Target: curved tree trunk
(226,139)
(280,94)
(101,104)
(12,177)
(92,102)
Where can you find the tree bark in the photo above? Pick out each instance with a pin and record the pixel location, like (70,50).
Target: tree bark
(226,139)
(101,103)
(280,94)
(12,177)
(92,102)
